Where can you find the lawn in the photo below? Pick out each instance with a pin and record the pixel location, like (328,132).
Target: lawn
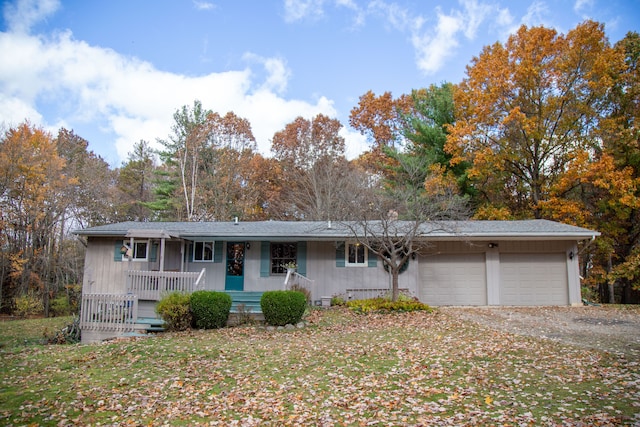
(342,369)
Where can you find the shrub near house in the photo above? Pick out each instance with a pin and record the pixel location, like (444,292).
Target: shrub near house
(283,307)
(386,305)
(210,309)
(175,310)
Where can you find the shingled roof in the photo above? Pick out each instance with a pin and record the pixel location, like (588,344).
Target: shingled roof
(325,230)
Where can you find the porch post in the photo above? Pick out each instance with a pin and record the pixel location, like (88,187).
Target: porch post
(162,240)
(182,255)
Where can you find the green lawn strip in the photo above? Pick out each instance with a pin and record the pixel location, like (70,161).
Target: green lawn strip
(16,334)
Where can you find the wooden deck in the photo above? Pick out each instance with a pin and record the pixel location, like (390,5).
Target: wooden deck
(106,316)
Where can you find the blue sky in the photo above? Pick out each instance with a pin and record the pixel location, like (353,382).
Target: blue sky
(115,71)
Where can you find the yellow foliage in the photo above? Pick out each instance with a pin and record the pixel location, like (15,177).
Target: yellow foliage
(488,212)
(519,112)
(629,270)
(439,182)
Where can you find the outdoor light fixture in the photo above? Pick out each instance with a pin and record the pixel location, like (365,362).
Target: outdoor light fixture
(571,255)
(493,245)
(248,245)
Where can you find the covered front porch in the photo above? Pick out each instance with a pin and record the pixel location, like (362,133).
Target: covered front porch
(105,316)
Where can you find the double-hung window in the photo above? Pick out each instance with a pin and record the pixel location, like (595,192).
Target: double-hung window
(203,251)
(140,250)
(356,255)
(283,255)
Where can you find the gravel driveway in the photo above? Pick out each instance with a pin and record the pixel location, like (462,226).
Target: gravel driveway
(609,328)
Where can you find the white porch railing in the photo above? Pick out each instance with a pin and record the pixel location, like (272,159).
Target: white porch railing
(293,277)
(108,312)
(151,285)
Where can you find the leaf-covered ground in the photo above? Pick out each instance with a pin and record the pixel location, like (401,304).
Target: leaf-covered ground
(612,328)
(343,369)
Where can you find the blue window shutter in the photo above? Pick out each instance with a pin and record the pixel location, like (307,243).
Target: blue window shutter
(265,259)
(373,259)
(302,258)
(153,254)
(217,251)
(117,255)
(339,254)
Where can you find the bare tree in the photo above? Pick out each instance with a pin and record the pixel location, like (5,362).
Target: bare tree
(392,223)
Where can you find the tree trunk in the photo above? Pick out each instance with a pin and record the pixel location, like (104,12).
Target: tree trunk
(612,289)
(395,291)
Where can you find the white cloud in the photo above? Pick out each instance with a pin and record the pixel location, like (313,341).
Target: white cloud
(22,15)
(435,40)
(580,5)
(433,49)
(130,99)
(13,111)
(203,5)
(359,13)
(296,10)
(355,142)
(504,18)
(537,14)
(474,15)
(278,74)
(396,16)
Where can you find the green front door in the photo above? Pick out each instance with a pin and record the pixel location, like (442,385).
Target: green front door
(235,267)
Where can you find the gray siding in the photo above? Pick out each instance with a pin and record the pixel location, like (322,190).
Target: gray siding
(101,273)
(105,275)
(331,280)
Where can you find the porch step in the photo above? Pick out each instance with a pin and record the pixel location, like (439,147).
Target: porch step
(250,300)
(149,324)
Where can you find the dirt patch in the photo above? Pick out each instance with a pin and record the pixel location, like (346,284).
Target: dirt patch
(608,328)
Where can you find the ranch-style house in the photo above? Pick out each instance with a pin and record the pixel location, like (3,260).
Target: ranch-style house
(129,266)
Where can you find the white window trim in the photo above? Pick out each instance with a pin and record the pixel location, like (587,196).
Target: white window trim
(365,263)
(193,253)
(133,250)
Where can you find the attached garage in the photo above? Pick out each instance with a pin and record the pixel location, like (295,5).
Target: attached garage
(453,279)
(533,279)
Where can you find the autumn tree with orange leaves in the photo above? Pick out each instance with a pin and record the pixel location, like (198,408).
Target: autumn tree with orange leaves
(601,189)
(315,172)
(226,188)
(548,123)
(527,108)
(32,207)
(380,119)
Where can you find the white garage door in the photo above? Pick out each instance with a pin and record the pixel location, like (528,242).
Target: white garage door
(533,279)
(453,280)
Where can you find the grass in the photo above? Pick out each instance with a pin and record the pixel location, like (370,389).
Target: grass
(16,334)
(344,369)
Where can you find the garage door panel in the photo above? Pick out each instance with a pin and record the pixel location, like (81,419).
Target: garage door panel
(533,279)
(453,280)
